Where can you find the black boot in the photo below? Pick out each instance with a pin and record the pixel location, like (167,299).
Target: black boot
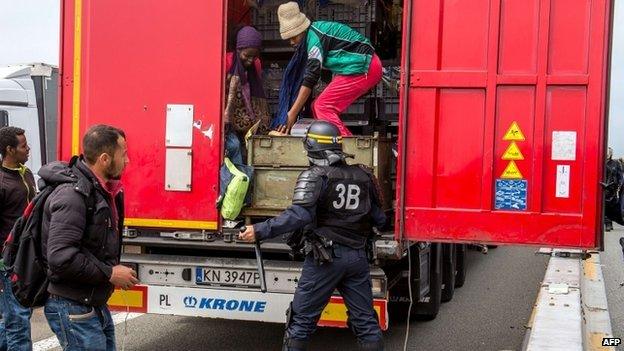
(371,346)
(608,225)
(294,345)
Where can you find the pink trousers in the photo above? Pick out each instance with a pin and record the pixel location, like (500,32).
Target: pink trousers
(342,91)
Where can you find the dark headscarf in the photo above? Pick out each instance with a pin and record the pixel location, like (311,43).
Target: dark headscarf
(250,81)
(291,82)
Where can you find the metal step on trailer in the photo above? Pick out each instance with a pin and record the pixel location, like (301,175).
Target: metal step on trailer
(571,311)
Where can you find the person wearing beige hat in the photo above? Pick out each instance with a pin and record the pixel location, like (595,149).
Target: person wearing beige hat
(335,47)
(351,57)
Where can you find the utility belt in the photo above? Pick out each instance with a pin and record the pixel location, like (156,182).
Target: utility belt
(320,247)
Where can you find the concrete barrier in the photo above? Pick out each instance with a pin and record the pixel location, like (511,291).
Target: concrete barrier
(571,311)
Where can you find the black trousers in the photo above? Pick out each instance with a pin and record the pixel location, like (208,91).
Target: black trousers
(350,274)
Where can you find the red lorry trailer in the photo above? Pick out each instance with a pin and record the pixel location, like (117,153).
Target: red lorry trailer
(500,136)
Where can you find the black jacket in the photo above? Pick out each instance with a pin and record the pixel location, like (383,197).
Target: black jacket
(350,228)
(79,241)
(15,193)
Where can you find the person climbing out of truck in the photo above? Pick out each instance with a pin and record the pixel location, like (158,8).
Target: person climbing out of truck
(246,113)
(344,204)
(326,45)
(246,106)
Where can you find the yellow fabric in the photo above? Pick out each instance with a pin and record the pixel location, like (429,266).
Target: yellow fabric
(235,193)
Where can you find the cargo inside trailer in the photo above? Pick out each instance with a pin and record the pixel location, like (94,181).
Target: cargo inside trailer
(373,118)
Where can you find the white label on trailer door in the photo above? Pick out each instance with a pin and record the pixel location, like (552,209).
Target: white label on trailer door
(215,303)
(179,126)
(178,169)
(563,145)
(563,181)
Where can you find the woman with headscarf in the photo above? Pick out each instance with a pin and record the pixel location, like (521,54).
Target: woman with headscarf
(246,105)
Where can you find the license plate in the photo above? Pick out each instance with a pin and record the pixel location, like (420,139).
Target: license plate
(236,277)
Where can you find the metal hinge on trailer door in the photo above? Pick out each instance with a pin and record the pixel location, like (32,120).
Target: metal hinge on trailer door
(130,233)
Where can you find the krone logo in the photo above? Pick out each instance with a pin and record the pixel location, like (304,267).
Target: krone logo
(190,301)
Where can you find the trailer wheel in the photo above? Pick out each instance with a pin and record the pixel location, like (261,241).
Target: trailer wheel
(428,310)
(399,293)
(460,263)
(448,271)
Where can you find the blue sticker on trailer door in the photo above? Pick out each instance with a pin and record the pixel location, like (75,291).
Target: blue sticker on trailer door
(511,194)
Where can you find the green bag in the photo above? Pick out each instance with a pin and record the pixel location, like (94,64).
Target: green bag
(234,199)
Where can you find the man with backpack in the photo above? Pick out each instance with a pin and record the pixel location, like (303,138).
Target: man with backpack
(17,188)
(81,240)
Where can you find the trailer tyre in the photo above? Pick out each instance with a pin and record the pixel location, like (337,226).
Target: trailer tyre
(428,310)
(460,263)
(448,271)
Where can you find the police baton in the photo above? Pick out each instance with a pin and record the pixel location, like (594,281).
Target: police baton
(259,262)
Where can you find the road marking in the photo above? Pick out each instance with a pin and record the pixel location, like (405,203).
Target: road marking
(52,342)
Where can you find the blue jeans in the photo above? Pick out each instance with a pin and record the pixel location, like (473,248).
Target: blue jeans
(80,327)
(15,323)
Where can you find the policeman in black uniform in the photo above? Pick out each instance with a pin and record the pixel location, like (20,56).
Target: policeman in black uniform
(341,204)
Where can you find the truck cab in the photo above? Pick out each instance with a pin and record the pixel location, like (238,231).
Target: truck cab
(28,99)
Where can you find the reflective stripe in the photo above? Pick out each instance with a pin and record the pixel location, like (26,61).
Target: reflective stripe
(324,139)
(169,223)
(317,136)
(76,89)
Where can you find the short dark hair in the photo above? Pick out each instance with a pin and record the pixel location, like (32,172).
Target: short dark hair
(8,137)
(100,139)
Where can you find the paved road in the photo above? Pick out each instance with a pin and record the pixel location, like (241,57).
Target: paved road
(613,271)
(488,313)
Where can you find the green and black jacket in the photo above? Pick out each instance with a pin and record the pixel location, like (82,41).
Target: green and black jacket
(338,48)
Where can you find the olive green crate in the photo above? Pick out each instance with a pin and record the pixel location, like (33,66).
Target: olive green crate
(278,161)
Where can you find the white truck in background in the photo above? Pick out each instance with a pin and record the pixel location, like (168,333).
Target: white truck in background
(29,100)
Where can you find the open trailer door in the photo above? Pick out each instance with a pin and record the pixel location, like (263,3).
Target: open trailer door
(153,69)
(503,126)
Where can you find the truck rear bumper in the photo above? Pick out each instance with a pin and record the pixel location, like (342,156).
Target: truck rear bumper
(228,304)
(175,285)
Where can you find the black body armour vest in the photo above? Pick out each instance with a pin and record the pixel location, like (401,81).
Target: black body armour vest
(343,210)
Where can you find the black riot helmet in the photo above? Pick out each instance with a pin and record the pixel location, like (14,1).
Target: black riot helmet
(322,136)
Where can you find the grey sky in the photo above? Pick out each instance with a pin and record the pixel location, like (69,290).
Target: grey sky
(29,32)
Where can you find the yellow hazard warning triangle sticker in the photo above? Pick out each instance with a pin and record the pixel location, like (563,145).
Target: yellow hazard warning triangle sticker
(511,171)
(514,133)
(513,152)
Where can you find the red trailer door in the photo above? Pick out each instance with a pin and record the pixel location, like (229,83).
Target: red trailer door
(154,69)
(502,133)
